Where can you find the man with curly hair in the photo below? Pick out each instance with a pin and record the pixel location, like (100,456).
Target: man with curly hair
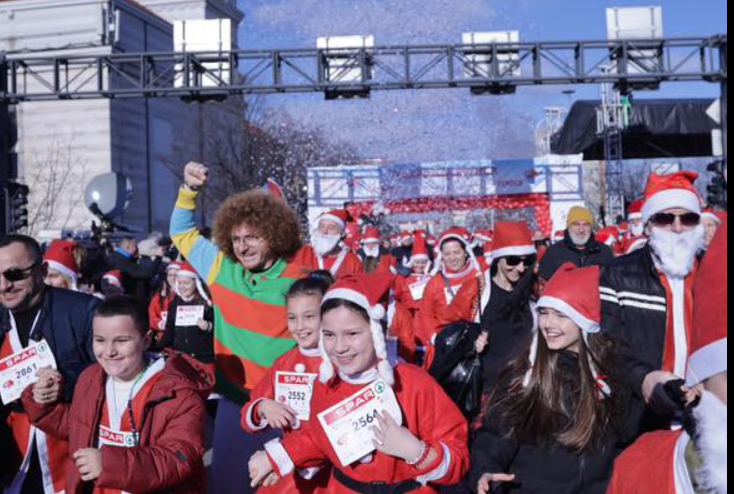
(249,270)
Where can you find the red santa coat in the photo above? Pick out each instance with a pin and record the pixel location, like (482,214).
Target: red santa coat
(297,360)
(342,264)
(409,294)
(158,311)
(655,464)
(440,293)
(52,452)
(427,412)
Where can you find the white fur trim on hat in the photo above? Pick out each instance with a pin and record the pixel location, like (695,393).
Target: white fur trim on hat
(113,280)
(586,324)
(57,266)
(711,216)
(335,219)
(707,362)
(670,199)
(634,216)
(519,250)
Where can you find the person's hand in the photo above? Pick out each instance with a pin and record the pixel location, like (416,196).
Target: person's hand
(394,440)
(261,470)
(488,479)
(204,325)
(195,176)
(482,342)
(654,394)
(48,388)
(89,463)
(278,415)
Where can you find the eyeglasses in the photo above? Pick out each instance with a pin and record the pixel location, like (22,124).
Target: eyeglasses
(15,275)
(514,261)
(668,219)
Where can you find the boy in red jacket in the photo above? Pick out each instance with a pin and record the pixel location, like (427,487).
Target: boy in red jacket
(136,423)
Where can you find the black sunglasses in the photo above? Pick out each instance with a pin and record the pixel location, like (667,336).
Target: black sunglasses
(15,275)
(514,261)
(668,219)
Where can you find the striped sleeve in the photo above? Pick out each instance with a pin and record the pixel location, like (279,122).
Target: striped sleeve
(201,253)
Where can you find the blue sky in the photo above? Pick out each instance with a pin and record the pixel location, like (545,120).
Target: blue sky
(450,124)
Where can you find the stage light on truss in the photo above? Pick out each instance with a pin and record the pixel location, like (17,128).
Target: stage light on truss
(642,26)
(347,61)
(479,62)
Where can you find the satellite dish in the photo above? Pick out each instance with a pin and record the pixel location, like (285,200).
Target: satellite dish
(108,195)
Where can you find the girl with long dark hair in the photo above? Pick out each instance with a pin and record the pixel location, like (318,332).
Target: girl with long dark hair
(552,422)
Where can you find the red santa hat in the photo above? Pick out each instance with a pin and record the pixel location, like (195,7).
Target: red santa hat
(461,235)
(670,191)
(708,352)
(484,235)
(339,216)
(274,189)
(712,215)
(371,235)
(635,210)
(634,243)
(574,292)
(174,266)
(366,291)
(187,271)
(607,236)
(114,278)
(512,238)
(60,257)
(405,236)
(559,236)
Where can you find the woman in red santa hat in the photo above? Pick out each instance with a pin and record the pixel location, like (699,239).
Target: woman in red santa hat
(409,293)
(63,270)
(327,250)
(282,400)
(502,299)
(382,428)
(190,318)
(374,258)
(161,302)
(692,460)
(454,266)
(550,425)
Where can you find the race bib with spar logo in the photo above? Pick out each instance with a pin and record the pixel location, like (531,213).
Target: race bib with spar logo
(348,424)
(295,389)
(118,439)
(19,370)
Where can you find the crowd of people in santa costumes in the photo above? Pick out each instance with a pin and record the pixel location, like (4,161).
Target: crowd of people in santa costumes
(593,364)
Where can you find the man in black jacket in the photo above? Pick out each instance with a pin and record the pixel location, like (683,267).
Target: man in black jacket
(136,274)
(32,314)
(647,300)
(579,246)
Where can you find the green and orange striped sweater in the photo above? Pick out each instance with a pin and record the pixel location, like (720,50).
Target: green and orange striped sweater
(251,329)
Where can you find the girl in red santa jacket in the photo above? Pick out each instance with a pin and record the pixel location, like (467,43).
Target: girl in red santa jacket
(282,400)
(136,423)
(379,426)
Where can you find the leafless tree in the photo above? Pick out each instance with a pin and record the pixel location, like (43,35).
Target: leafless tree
(244,144)
(56,178)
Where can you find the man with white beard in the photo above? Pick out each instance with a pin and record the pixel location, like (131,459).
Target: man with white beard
(374,258)
(647,301)
(692,460)
(635,238)
(327,251)
(579,246)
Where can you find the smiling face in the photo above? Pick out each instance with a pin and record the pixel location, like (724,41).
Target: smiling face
(119,347)
(454,255)
(348,340)
(560,332)
(512,274)
(580,232)
(23,293)
(304,320)
(186,287)
(251,250)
